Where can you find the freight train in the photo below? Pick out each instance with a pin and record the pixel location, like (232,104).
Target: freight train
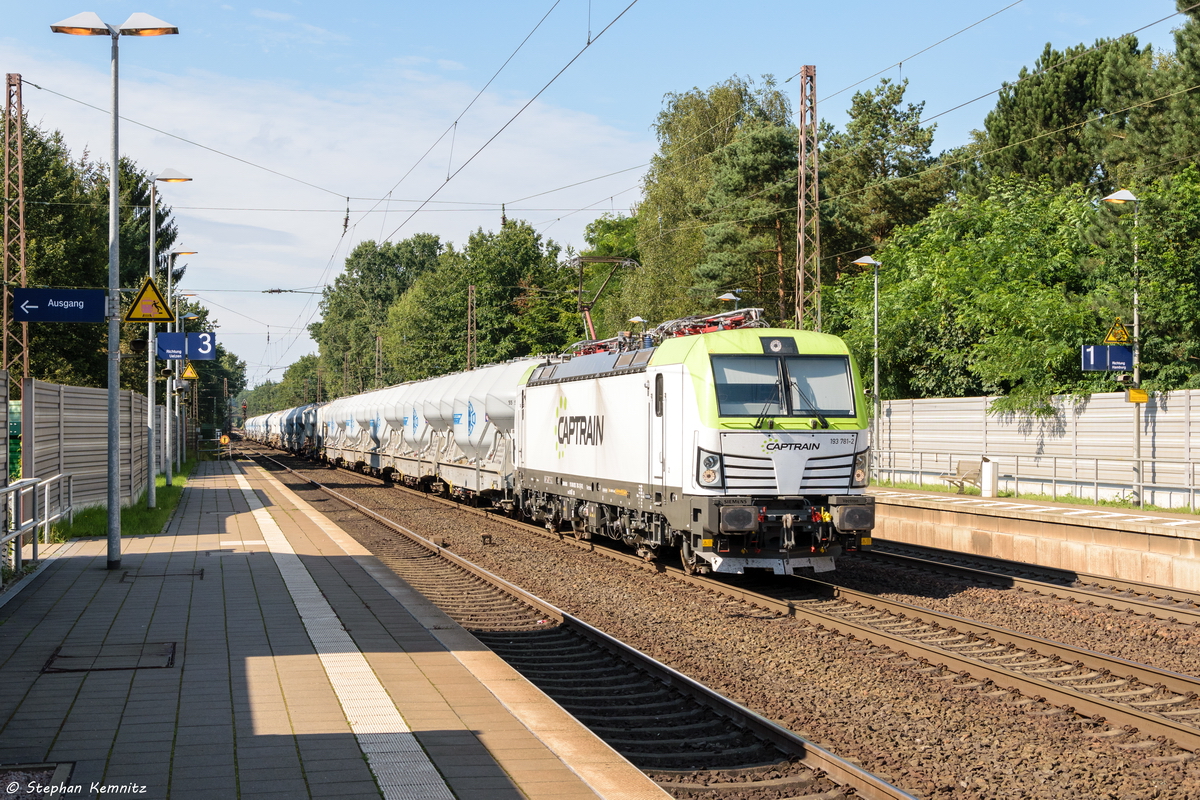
(737,445)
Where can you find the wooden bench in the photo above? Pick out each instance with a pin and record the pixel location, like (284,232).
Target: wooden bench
(966,472)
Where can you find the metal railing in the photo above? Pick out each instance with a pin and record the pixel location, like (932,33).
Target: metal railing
(215,448)
(27,508)
(1132,479)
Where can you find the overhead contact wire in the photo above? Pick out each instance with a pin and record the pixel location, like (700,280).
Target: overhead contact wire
(504,127)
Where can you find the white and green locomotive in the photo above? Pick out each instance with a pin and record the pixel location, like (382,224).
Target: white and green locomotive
(741,447)
(744,448)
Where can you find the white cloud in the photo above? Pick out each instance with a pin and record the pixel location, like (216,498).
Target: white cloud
(272,15)
(256,230)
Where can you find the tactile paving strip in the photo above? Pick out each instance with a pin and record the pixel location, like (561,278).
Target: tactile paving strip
(395,757)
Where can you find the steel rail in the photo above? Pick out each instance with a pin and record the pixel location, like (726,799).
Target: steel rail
(1027,647)
(1020,576)
(1185,735)
(810,754)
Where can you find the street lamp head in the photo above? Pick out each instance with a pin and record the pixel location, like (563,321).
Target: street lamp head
(184,252)
(89,23)
(171,176)
(728,296)
(866,261)
(638,320)
(86,24)
(1122,196)
(142,24)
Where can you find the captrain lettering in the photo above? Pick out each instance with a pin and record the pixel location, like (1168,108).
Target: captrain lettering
(792,446)
(581,430)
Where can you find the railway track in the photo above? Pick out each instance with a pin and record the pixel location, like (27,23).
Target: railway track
(1130,696)
(684,735)
(1175,605)
(1136,701)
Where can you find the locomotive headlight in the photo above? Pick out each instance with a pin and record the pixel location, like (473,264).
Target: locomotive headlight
(862,468)
(709,472)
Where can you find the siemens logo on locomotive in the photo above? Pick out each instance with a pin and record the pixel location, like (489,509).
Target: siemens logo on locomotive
(581,430)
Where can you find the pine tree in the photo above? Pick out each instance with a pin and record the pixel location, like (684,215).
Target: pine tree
(750,212)
(875,175)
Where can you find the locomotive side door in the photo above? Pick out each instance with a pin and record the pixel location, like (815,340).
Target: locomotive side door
(657,436)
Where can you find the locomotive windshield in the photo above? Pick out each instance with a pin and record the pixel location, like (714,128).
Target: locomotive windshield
(773,386)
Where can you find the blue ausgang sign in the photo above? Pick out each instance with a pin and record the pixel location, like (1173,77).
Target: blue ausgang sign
(58,305)
(1107,358)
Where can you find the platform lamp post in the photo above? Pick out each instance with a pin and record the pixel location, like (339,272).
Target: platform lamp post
(867,261)
(138,24)
(179,369)
(1120,198)
(171,403)
(166,176)
(639,321)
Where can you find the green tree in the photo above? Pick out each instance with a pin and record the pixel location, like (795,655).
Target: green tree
(691,128)
(522,305)
(986,296)
(1166,226)
(1163,137)
(751,210)
(301,382)
(221,379)
(355,307)
(1065,119)
(66,217)
(876,175)
(67,246)
(262,399)
(610,236)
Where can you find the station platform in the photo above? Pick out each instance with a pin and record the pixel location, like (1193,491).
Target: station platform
(1154,547)
(255,650)
(1110,515)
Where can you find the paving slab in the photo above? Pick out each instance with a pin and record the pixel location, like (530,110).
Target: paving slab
(302,667)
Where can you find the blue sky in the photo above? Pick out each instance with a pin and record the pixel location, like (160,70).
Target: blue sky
(329,100)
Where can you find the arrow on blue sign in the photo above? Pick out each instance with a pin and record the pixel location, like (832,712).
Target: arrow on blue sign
(59,305)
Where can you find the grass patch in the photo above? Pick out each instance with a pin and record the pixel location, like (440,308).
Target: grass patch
(8,575)
(924,487)
(136,519)
(1044,498)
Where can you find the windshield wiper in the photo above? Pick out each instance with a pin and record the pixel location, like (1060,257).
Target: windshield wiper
(772,400)
(811,405)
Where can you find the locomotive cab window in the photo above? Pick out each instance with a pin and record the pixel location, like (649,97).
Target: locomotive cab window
(748,386)
(772,386)
(820,384)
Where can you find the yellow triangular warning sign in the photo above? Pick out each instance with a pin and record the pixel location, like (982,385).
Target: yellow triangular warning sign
(189,373)
(149,306)
(1118,334)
